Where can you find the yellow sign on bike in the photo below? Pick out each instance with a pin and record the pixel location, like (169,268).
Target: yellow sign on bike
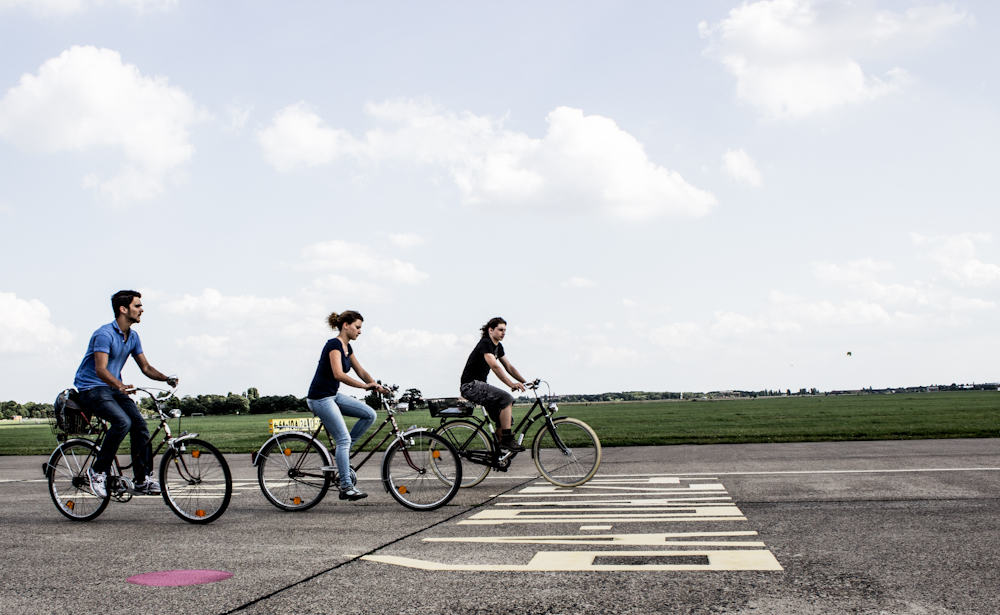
(304,424)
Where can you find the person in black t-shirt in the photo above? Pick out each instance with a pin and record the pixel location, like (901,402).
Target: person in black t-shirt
(489,355)
(330,405)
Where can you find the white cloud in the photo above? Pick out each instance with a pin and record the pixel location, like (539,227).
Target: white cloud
(578,282)
(741,167)
(956,256)
(26,326)
(238,115)
(354,258)
(584,162)
(87,100)
(677,335)
(213,305)
(66,8)
(210,346)
(794,58)
(406,240)
(299,137)
(413,339)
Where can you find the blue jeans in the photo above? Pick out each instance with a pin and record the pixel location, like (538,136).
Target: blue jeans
(331,410)
(125,418)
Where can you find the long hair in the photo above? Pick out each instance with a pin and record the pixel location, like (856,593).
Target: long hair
(492,324)
(337,321)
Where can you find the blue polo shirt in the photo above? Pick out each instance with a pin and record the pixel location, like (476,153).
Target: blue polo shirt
(111,340)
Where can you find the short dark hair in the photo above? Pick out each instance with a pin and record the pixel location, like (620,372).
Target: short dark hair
(493,323)
(123,298)
(336,321)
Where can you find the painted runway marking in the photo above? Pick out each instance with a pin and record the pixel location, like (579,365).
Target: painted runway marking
(589,561)
(609,502)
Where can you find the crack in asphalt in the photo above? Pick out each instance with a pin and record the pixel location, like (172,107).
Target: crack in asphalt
(374,550)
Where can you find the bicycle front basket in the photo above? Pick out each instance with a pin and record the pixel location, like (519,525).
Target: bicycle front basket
(450,406)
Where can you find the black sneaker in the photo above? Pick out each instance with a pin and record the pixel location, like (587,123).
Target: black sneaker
(511,444)
(352,494)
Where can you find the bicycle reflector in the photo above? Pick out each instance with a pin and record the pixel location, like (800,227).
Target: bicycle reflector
(297,500)
(196,453)
(436,454)
(287,452)
(200,512)
(401,489)
(70,504)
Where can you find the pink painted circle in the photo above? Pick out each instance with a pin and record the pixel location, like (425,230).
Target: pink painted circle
(174,578)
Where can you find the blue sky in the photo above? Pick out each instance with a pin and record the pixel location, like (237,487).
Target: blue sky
(660,196)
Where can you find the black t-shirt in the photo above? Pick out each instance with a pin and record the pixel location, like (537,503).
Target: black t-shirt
(323,382)
(476,368)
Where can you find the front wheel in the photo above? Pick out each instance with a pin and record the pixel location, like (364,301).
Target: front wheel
(421,471)
(474,446)
(69,484)
(290,471)
(196,481)
(567,452)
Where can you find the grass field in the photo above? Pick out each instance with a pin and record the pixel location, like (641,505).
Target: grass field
(966,414)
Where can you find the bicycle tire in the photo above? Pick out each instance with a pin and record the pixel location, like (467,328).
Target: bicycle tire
(69,485)
(421,470)
(195,481)
(469,439)
(578,463)
(289,474)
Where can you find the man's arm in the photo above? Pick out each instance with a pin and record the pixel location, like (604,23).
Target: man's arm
(101,367)
(498,369)
(152,373)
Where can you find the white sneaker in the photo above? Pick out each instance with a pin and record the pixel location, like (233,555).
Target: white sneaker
(97,483)
(148,486)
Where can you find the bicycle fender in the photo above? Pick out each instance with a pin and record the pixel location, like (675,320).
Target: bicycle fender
(255,456)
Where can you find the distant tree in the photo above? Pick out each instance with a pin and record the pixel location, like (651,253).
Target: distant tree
(252,394)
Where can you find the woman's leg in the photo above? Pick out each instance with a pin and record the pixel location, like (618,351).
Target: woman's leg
(328,412)
(359,410)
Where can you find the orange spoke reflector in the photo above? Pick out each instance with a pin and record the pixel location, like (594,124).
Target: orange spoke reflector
(199,513)
(296,500)
(196,453)
(287,452)
(436,454)
(70,504)
(401,489)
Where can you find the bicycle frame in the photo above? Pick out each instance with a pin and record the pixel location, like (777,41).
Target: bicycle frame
(394,434)
(123,494)
(539,409)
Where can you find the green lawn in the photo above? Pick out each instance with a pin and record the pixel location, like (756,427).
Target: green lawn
(966,414)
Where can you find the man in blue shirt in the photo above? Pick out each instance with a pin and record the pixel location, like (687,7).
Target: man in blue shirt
(99,381)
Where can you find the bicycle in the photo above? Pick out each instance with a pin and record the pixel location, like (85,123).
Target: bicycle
(566,451)
(419,469)
(195,481)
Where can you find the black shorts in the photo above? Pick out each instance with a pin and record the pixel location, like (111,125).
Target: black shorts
(488,396)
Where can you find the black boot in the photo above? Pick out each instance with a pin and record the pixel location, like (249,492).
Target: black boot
(508,442)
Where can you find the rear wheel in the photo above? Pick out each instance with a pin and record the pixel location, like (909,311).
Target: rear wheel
(195,481)
(474,448)
(567,452)
(289,471)
(69,484)
(421,471)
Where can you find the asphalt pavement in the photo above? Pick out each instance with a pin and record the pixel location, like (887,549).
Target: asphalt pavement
(901,527)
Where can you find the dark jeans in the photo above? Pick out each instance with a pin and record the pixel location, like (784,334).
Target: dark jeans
(119,410)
